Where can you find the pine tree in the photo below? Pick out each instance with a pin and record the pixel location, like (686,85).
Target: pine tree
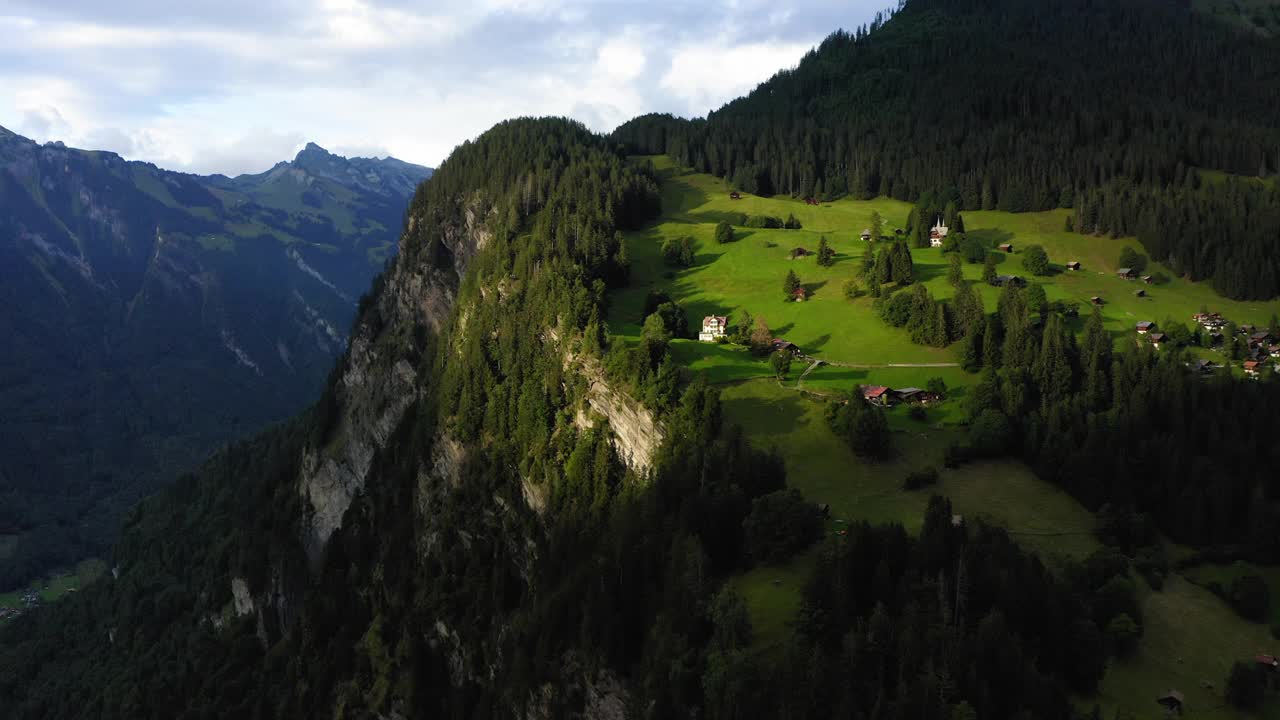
(991,343)
(989,268)
(884,266)
(868,266)
(972,358)
(955,269)
(901,268)
(791,284)
(877,226)
(826,256)
(941,326)
(949,215)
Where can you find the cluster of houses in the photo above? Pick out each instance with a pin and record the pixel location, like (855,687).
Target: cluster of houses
(886,397)
(716,327)
(30,599)
(1263,348)
(1149,329)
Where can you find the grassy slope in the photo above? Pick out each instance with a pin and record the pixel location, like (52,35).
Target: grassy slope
(1224,575)
(55,586)
(1191,635)
(1185,621)
(748,274)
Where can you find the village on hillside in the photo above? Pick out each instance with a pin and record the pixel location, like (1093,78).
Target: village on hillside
(1253,350)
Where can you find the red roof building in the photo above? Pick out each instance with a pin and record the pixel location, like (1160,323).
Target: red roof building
(878,394)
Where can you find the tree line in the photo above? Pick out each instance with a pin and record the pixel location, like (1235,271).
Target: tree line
(1109,108)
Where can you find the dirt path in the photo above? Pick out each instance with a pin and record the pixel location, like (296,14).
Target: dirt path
(857,366)
(811,368)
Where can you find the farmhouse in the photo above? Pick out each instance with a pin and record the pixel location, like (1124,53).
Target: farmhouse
(877,394)
(938,233)
(1145,327)
(799,294)
(785,346)
(1140,293)
(799,253)
(1204,367)
(866,234)
(1095,300)
(916,395)
(1005,247)
(1148,279)
(1158,338)
(811,201)
(735,195)
(1073,265)
(1259,338)
(1014,280)
(1274,351)
(714,327)
(1268,661)
(1251,368)
(1127,273)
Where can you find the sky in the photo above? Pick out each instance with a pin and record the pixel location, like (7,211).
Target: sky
(235,86)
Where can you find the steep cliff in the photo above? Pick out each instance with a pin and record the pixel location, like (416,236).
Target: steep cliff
(460,523)
(378,381)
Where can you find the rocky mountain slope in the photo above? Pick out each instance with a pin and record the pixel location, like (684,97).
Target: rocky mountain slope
(399,472)
(150,316)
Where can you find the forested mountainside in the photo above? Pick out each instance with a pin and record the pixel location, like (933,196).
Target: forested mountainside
(150,316)
(497,508)
(497,511)
(1107,107)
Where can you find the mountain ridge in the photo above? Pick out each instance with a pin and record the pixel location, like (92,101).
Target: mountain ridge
(131,291)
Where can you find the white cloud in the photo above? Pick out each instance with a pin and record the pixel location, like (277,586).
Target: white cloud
(705,76)
(237,85)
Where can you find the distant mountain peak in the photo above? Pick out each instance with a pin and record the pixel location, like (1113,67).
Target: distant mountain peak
(314,153)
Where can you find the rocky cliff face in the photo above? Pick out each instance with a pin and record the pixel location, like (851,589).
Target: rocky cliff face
(636,433)
(378,383)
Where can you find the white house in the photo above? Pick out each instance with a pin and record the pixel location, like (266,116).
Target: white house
(714,327)
(938,233)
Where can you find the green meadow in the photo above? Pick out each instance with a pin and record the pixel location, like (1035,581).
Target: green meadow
(57,585)
(748,274)
(1192,636)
